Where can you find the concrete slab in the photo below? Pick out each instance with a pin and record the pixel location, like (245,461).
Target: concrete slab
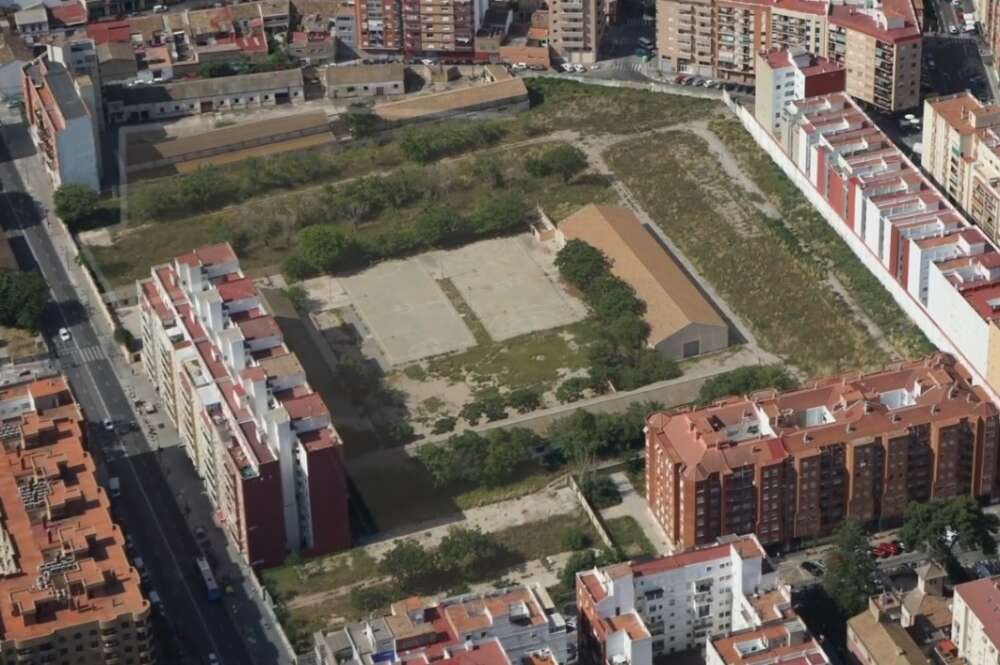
(406,312)
(510,283)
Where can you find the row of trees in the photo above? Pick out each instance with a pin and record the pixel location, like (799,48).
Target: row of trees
(212,187)
(745,380)
(497,456)
(620,357)
(491,404)
(327,248)
(463,555)
(431,143)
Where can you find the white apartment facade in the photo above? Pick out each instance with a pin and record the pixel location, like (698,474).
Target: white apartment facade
(637,611)
(975,621)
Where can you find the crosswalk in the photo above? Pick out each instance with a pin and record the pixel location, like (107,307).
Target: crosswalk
(86,354)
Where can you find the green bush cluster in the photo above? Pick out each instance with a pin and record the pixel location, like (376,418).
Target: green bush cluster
(745,380)
(212,187)
(473,459)
(563,160)
(621,357)
(327,248)
(431,143)
(600,491)
(463,555)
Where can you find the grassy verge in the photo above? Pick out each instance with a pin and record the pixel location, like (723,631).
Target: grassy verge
(525,485)
(810,230)
(741,253)
(263,229)
(295,578)
(626,533)
(476,326)
(537,540)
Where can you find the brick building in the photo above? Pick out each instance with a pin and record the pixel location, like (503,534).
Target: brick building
(70,594)
(795,465)
(258,435)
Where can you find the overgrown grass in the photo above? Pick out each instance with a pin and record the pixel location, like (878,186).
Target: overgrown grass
(263,229)
(537,540)
(534,360)
(771,285)
(805,227)
(326,572)
(560,104)
(626,533)
(525,485)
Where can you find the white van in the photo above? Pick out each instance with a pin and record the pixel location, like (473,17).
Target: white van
(114,487)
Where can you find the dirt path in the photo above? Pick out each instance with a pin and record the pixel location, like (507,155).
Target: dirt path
(873,329)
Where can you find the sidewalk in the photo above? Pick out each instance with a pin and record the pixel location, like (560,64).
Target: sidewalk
(161,435)
(634,505)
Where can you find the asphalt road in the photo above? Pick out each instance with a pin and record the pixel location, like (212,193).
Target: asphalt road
(147,510)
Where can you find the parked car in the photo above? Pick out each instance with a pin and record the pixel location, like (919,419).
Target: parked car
(579,69)
(160,9)
(566,67)
(518,66)
(64,334)
(537,68)
(814,568)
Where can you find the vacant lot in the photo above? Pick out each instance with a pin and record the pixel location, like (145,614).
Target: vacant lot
(823,246)
(777,289)
(263,229)
(406,311)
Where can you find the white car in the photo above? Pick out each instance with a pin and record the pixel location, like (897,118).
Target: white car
(64,334)
(953,30)
(108,425)
(160,9)
(213,659)
(579,69)
(566,67)
(427,61)
(518,66)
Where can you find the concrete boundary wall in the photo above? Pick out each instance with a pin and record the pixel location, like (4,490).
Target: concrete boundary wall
(907,302)
(592,515)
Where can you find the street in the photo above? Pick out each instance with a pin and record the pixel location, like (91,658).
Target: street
(147,509)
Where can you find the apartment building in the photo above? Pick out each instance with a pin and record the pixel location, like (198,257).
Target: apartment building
(975,629)
(257,434)
(576,27)
(70,594)
(520,621)
(794,465)
(943,271)
(789,74)
(771,644)
(878,43)
(64,122)
(635,612)
(962,153)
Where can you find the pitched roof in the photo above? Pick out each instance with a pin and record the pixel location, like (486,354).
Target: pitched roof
(672,301)
(983,599)
(361,74)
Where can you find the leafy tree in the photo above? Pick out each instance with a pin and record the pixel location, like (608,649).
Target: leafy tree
(326,248)
(581,264)
(563,160)
(23,297)
(744,380)
(467,551)
(848,579)
(408,564)
(572,389)
(600,491)
(361,121)
(576,438)
(585,560)
(574,538)
(444,424)
(613,298)
(649,366)
(438,225)
(926,523)
(524,400)
(501,212)
(75,204)
(371,598)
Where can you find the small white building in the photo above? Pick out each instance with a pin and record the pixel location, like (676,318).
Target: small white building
(975,626)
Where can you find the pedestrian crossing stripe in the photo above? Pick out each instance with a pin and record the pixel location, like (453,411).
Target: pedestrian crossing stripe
(85,354)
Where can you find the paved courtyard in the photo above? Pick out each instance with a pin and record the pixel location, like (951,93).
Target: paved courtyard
(407,312)
(510,284)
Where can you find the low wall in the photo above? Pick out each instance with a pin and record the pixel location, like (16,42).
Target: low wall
(592,515)
(652,86)
(907,302)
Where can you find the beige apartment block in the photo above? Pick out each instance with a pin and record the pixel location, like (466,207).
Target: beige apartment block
(961,151)
(684,35)
(575,28)
(879,43)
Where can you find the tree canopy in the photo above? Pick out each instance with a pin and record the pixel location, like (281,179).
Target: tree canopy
(23,296)
(408,564)
(743,380)
(926,523)
(580,263)
(850,570)
(75,204)
(562,160)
